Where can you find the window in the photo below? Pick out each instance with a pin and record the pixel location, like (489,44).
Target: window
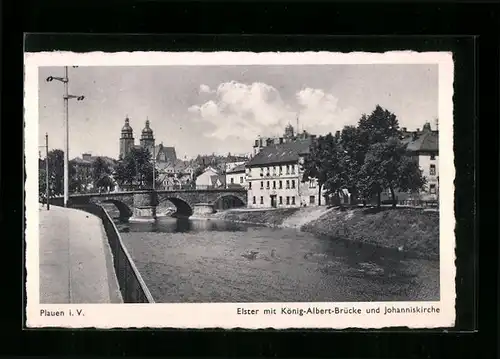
(312,199)
(281,184)
(293,200)
(261,200)
(287,200)
(312,183)
(241,179)
(432,170)
(249,185)
(281,170)
(261,184)
(274,184)
(287,170)
(293,169)
(253,199)
(232,180)
(293,183)
(281,200)
(287,184)
(433,157)
(432,189)
(267,185)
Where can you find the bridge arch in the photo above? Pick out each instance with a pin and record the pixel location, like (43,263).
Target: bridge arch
(125,211)
(183,208)
(229,200)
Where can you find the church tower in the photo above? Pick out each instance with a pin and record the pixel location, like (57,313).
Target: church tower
(147,138)
(126,139)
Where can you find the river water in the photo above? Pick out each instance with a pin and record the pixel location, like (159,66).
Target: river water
(213,261)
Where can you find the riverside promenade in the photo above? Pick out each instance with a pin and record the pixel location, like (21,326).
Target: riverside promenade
(76,264)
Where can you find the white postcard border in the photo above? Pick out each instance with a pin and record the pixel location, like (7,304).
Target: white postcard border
(216,315)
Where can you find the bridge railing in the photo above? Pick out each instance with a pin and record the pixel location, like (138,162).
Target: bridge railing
(132,286)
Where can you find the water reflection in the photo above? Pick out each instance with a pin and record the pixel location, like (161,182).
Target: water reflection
(182,225)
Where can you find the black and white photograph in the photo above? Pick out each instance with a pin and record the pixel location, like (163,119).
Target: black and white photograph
(256,190)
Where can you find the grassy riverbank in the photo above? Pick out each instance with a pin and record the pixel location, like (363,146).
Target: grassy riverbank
(406,229)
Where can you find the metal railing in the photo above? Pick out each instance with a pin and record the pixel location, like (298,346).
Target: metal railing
(132,286)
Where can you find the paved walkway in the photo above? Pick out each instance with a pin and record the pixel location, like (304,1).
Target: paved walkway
(75,259)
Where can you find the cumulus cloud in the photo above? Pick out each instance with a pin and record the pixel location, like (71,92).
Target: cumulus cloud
(319,109)
(205,89)
(248,110)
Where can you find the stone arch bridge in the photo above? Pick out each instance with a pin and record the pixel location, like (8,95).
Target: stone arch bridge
(144,203)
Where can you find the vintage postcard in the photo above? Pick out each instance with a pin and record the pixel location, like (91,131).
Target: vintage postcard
(239,190)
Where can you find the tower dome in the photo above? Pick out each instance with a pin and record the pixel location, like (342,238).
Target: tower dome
(147,131)
(126,128)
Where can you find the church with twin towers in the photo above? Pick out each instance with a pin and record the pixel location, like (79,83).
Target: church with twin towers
(147,141)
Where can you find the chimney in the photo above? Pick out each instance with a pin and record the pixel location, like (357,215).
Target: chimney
(418,129)
(403,129)
(337,134)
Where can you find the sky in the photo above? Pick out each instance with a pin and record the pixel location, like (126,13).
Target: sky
(221,109)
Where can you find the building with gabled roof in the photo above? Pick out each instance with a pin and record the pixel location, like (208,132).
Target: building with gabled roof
(235,177)
(423,146)
(274,176)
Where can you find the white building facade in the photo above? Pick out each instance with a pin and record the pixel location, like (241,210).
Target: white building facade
(204,180)
(236,176)
(274,176)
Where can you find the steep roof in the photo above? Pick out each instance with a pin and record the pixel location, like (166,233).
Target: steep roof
(169,152)
(237,169)
(177,165)
(423,141)
(281,153)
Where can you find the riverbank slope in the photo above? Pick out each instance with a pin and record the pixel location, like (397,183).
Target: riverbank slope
(409,230)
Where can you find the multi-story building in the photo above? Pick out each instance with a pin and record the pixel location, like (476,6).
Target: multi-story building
(274,176)
(423,146)
(83,171)
(235,176)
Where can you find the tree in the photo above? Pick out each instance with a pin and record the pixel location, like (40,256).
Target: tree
(379,126)
(387,165)
(136,168)
(101,172)
(322,164)
(42,181)
(56,174)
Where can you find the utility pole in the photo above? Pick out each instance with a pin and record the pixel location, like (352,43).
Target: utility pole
(66,97)
(47,169)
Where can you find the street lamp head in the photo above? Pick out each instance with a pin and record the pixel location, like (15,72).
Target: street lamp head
(49,79)
(80,98)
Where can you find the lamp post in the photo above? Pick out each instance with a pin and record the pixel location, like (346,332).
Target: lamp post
(66,97)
